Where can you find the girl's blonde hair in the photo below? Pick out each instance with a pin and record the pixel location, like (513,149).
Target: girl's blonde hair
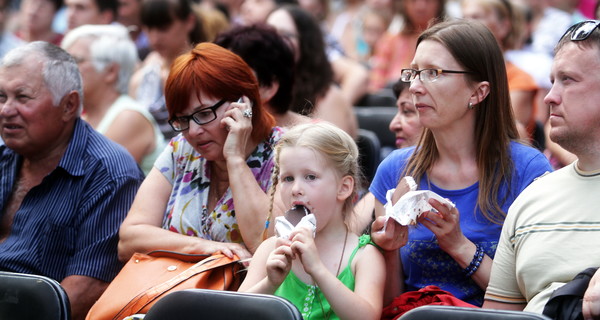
(333,143)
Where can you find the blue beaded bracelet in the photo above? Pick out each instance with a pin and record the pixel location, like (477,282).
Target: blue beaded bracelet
(475,263)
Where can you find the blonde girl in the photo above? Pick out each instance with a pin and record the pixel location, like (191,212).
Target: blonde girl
(334,275)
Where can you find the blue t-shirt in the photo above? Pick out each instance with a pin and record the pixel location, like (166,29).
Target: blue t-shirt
(69,223)
(423,261)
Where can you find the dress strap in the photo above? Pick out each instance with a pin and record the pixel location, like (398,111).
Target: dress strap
(364,240)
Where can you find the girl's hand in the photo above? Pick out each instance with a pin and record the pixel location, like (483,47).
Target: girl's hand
(279,263)
(445,224)
(303,247)
(393,238)
(238,121)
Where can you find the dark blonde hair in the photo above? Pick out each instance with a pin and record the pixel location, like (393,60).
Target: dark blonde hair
(475,48)
(333,143)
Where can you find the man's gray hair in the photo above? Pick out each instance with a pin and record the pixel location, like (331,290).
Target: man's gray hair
(60,71)
(109,44)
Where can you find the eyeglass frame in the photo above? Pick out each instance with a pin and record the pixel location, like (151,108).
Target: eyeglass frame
(187,118)
(438,72)
(579,35)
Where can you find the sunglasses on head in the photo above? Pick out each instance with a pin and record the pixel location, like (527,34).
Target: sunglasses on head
(582,30)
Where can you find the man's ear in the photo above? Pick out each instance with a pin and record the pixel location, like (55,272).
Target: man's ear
(481,92)
(345,188)
(70,105)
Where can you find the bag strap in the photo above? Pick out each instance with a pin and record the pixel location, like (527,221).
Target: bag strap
(144,298)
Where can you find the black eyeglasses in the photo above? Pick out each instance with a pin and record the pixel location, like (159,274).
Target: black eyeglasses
(200,117)
(582,30)
(425,75)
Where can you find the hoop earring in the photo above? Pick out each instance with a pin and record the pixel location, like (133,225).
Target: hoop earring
(470,106)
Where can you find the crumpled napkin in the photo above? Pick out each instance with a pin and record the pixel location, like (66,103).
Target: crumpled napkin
(283,228)
(408,208)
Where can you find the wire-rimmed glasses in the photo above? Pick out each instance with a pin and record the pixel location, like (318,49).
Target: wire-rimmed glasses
(581,30)
(425,75)
(200,117)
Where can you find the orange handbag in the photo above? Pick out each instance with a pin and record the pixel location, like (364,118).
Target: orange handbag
(146,278)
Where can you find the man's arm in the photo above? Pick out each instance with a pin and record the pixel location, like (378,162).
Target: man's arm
(591,298)
(83,292)
(489,304)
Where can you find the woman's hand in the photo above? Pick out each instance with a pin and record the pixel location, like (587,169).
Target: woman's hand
(279,263)
(303,246)
(238,121)
(445,224)
(393,238)
(228,249)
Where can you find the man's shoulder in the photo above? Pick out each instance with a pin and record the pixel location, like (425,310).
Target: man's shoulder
(99,151)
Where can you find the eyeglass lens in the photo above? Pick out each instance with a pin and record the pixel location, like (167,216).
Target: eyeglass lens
(200,117)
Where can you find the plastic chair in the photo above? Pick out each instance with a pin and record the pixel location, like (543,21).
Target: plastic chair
(377,119)
(369,153)
(384,97)
(216,304)
(430,312)
(27,296)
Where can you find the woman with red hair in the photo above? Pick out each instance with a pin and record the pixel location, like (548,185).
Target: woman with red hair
(207,191)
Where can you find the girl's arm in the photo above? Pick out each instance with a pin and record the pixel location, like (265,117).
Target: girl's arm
(142,229)
(270,265)
(394,283)
(366,302)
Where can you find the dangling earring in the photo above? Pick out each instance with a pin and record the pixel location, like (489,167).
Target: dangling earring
(470,106)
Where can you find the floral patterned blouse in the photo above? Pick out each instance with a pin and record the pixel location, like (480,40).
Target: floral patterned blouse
(189,173)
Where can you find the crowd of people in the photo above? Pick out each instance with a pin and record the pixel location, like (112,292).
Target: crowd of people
(137,125)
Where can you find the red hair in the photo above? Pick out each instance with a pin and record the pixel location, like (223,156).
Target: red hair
(217,73)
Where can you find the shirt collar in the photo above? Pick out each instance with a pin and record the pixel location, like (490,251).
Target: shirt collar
(73,159)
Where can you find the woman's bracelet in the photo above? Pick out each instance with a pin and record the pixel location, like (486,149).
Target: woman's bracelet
(475,263)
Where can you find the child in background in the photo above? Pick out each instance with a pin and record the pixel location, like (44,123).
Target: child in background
(336,274)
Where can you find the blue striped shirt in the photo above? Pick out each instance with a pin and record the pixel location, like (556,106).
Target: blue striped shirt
(69,223)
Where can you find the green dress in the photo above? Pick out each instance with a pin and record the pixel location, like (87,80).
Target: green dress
(308,298)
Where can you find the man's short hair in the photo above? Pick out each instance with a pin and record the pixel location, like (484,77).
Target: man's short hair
(60,72)
(112,5)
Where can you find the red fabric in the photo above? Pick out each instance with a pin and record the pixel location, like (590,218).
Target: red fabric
(428,295)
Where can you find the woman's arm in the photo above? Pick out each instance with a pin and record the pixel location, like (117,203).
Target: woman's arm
(337,109)
(251,202)
(134,132)
(445,224)
(352,77)
(142,229)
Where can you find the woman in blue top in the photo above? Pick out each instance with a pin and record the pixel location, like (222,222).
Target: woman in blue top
(467,153)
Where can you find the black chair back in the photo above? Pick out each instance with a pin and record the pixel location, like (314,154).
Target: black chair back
(216,304)
(377,119)
(27,296)
(369,153)
(430,312)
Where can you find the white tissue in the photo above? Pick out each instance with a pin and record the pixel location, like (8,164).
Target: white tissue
(283,228)
(411,204)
